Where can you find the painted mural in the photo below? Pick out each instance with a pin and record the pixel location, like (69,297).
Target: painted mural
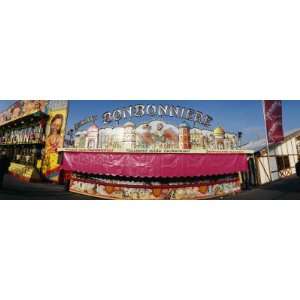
(156,135)
(140,190)
(55,133)
(21,109)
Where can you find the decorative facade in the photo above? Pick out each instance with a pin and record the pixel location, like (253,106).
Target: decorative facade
(92,137)
(219,137)
(129,136)
(154,136)
(184,136)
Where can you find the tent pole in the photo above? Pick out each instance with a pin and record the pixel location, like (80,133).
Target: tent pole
(266,132)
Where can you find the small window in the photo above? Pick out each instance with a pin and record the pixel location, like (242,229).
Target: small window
(298,147)
(283,162)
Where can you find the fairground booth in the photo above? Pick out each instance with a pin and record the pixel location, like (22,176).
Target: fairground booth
(31,131)
(153,159)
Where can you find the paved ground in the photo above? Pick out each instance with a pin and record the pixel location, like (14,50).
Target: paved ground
(285,189)
(13,189)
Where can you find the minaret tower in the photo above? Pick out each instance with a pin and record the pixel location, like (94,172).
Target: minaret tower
(129,138)
(184,136)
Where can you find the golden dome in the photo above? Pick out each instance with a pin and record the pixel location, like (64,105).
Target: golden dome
(219,131)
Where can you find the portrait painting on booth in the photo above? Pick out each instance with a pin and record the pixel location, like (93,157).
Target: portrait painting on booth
(54,140)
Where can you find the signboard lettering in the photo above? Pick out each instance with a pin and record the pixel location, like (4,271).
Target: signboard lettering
(85,121)
(152,110)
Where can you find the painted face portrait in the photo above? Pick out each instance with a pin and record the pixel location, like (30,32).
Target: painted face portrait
(16,112)
(147,127)
(56,124)
(160,126)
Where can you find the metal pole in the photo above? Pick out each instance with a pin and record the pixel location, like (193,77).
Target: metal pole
(268,149)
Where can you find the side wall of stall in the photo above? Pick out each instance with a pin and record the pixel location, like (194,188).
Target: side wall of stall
(280,162)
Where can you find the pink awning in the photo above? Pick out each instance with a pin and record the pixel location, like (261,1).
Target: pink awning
(154,165)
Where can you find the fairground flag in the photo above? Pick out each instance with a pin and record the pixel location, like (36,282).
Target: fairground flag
(273,120)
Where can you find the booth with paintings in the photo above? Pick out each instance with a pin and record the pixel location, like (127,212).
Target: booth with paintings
(154,159)
(31,131)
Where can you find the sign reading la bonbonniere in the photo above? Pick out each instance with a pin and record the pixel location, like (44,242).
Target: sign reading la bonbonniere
(153,110)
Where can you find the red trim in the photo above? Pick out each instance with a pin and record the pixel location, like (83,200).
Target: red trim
(140,152)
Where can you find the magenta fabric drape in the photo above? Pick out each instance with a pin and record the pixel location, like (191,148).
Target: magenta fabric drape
(154,165)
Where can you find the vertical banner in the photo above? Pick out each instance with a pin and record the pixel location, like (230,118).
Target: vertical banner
(55,134)
(273,120)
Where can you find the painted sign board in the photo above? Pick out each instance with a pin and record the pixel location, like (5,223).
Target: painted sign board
(154,110)
(155,136)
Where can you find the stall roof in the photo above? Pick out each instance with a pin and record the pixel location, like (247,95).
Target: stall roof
(147,165)
(35,114)
(260,144)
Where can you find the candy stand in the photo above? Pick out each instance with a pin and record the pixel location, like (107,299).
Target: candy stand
(153,160)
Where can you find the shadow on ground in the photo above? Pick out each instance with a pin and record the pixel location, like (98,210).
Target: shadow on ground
(13,189)
(286,189)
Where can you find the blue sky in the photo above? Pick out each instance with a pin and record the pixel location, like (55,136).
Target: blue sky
(245,116)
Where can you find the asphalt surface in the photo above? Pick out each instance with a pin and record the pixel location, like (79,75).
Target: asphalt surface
(14,189)
(285,189)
